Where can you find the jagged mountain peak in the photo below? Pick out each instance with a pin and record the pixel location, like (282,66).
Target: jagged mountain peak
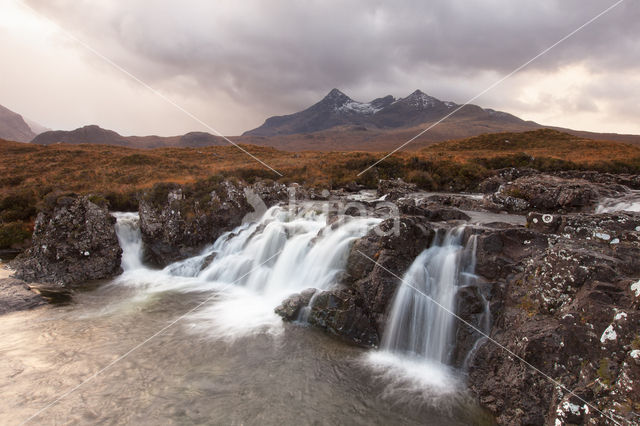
(419,99)
(336,97)
(337,109)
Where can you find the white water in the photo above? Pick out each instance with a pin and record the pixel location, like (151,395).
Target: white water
(128,232)
(419,339)
(247,272)
(630,203)
(421,322)
(252,268)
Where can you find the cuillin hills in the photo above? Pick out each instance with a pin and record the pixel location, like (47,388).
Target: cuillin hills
(337,109)
(335,123)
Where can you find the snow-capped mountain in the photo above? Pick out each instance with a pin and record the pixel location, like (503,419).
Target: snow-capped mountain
(338,109)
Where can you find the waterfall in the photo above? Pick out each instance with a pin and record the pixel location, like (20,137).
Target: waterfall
(279,255)
(420,322)
(253,267)
(629,203)
(130,239)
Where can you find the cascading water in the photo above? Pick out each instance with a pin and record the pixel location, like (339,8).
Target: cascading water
(419,338)
(629,202)
(257,264)
(128,232)
(420,322)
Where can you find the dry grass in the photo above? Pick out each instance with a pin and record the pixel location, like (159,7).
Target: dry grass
(539,143)
(32,174)
(91,168)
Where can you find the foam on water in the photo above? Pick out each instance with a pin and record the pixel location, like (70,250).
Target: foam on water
(251,269)
(419,338)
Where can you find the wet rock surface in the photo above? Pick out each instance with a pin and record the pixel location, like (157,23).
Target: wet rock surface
(291,307)
(550,194)
(392,189)
(341,312)
(73,241)
(16,295)
(177,222)
(430,210)
(563,291)
(376,261)
(564,303)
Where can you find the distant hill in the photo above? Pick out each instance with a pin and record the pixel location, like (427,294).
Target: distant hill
(338,123)
(337,109)
(96,135)
(13,127)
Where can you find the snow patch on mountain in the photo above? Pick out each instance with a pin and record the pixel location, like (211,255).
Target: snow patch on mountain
(358,108)
(420,100)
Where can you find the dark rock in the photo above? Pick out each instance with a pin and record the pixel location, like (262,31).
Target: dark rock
(503,176)
(608,179)
(509,203)
(376,261)
(543,222)
(394,188)
(500,251)
(464,202)
(491,184)
(565,303)
(604,227)
(73,242)
(548,193)
(342,313)
(431,212)
(177,223)
(353,187)
(290,307)
(16,295)
(471,308)
(270,193)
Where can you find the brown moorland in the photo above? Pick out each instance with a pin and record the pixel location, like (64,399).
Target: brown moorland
(29,172)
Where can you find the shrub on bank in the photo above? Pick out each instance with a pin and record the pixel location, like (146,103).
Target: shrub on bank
(18,206)
(14,234)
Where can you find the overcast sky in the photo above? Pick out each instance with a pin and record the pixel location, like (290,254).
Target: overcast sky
(234,63)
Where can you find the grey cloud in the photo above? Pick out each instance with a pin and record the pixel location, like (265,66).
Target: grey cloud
(282,55)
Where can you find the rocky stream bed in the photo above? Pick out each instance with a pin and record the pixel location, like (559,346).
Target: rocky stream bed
(557,269)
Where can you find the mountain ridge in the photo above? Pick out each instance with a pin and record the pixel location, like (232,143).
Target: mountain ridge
(385,113)
(339,123)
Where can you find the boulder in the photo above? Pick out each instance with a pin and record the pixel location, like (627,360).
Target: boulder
(503,176)
(394,188)
(16,295)
(548,193)
(74,241)
(341,313)
(177,221)
(291,307)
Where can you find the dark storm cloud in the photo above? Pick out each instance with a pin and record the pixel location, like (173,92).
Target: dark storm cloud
(279,56)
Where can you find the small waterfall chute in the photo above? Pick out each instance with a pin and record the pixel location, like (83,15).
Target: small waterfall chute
(422,325)
(130,239)
(420,322)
